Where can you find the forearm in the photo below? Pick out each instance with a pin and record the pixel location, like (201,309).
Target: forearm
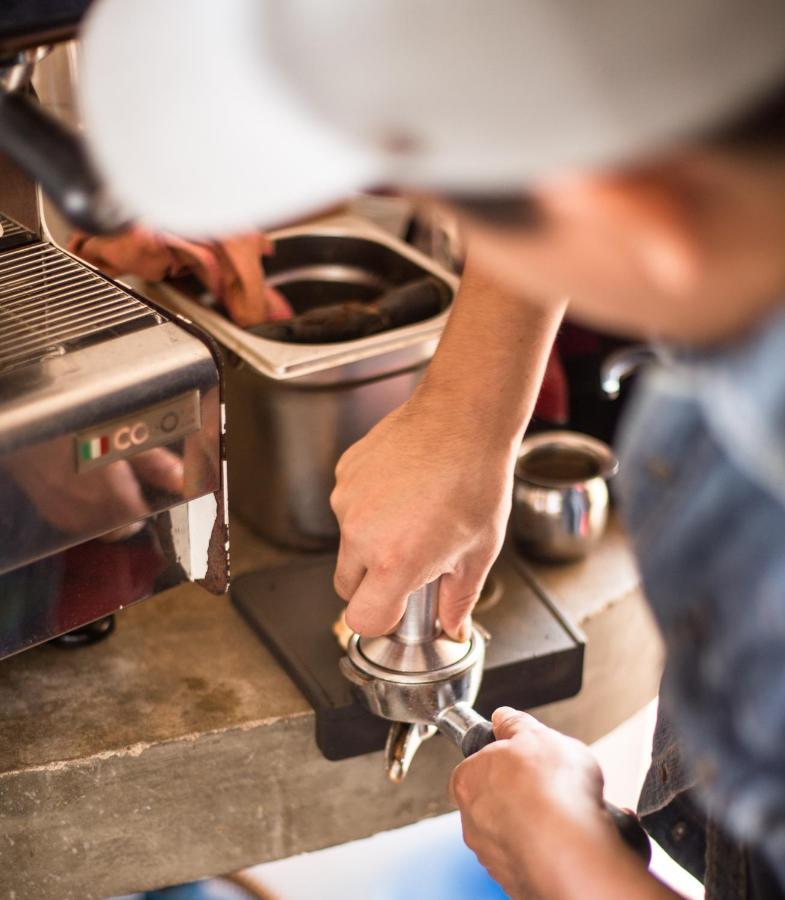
(427,492)
(492,356)
(597,869)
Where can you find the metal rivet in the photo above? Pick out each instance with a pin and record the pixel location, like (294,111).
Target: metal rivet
(679,831)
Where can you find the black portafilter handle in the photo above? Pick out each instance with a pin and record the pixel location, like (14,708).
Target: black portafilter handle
(476,737)
(479,734)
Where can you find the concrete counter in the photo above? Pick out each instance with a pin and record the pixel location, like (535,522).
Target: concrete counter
(178,748)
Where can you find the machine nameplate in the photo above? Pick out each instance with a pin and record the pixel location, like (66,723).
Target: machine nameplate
(152,427)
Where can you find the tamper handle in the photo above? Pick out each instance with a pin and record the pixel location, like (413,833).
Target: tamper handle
(418,623)
(472,732)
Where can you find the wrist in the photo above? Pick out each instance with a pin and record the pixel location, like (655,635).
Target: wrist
(473,409)
(595,864)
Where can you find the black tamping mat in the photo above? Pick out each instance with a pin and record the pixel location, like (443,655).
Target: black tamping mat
(534,656)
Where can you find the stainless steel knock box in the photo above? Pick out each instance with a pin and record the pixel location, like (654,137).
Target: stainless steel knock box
(294,408)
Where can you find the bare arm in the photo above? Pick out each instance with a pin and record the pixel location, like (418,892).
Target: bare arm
(427,492)
(492,356)
(608,871)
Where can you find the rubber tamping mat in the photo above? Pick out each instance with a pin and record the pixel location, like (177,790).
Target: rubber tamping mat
(534,656)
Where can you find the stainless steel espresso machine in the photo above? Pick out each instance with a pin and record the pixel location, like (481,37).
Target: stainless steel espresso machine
(111,464)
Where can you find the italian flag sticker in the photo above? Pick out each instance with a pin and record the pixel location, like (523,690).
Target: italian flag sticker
(94,448)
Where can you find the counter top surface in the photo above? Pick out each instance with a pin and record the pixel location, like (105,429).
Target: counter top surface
(179,748)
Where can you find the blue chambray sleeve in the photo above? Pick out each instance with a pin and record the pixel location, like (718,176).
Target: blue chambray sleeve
(710,541)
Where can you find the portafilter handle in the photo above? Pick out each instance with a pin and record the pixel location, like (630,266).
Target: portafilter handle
(466,727)
(471,732)
(419,624)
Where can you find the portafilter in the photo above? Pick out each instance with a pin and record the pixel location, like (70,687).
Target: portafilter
(423,682)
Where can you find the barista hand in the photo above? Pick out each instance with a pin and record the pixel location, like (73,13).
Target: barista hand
(230,269)
(428,491)
(532,810)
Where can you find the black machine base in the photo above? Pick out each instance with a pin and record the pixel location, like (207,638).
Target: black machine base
(86,635)
(534,656)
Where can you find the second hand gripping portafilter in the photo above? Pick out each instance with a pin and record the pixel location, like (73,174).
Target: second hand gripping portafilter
(422,681)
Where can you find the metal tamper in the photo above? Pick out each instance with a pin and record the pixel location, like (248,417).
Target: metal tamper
(423,682)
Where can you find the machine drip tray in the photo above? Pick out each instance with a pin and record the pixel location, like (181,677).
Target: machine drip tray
(534,656)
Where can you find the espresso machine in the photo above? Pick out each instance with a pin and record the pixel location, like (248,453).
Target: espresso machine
(111,422)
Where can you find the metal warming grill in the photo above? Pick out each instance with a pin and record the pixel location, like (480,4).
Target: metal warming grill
(50,303)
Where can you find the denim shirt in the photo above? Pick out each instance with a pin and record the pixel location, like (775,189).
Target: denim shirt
(702,491)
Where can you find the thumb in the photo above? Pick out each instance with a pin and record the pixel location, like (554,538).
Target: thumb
(509,722)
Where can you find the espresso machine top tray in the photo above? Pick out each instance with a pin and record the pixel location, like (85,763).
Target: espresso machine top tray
(534,655)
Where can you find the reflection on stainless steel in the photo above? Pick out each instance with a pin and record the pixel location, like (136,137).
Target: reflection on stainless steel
(418,643)
(620,365)
(560,496)
(294,409)
(49,407)
(110,416)
(419,621)
(111,468)
(363,282)
(459,720)
(12,234)
(403,741)
(416,678)
(17,71)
